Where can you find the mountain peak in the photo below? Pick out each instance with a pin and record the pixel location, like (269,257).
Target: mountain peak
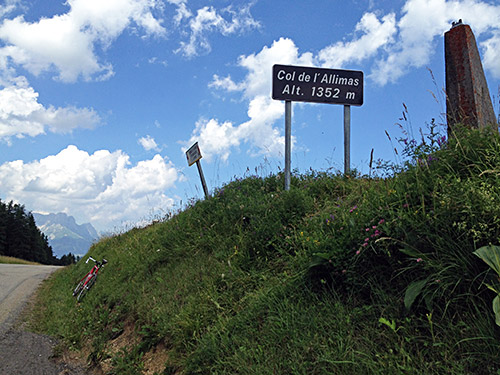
(64,234)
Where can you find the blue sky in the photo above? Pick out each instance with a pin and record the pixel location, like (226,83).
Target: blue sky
(99,100)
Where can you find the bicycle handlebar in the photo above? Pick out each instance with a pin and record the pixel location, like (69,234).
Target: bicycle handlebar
(103,262)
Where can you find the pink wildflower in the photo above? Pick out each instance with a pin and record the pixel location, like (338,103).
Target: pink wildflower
(419,260)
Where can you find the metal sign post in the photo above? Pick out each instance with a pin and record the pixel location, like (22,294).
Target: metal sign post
(202,178)
(193,156)
(318,85)
(288,143)
(347,139)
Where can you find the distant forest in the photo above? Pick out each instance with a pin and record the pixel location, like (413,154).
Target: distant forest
(21,238)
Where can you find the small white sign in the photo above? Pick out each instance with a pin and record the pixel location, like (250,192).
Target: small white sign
(193,154)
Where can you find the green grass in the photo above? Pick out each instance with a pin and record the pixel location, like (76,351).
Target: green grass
(11,260)
(339,275)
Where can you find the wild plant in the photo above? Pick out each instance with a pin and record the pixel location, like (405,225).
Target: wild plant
(418,229)
(491,256)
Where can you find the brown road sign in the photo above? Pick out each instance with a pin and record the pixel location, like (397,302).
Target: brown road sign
(307,84)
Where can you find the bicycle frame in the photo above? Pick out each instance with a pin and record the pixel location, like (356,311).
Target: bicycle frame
(89,279)
(89,275)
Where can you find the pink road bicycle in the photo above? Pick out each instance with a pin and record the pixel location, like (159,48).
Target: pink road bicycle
(89,279)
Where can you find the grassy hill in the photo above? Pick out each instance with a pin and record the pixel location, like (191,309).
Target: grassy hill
(12,260)
(339,275)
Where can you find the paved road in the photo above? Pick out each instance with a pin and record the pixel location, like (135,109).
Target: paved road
(21,352)
(17,284)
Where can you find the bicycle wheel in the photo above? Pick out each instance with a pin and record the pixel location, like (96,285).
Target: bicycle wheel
(86,288)
(78,288)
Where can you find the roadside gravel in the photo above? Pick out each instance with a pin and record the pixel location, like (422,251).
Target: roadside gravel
(26,353)
(23,352)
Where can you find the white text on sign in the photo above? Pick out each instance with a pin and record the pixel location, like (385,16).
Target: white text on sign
(307,84)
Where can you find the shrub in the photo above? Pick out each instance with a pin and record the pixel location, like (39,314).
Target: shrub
(420,230)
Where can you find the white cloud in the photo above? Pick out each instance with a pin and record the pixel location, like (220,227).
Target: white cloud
(208,20)
(8,6)
(225,83)
(258,80)
(55,43)
(393,47)
(216,138)
(375,34)
(22,115)
(67,43)
(389,46)
(220,138)
(155,60)
(106,20)
(423,25)
(177,2)
(491,54)
(182,13)
(148,143)
(264,138)
(103,187)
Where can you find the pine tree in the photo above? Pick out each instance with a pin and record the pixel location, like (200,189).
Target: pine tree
(3,228)
(20,237)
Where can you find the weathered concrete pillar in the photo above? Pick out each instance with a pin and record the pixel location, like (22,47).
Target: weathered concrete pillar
(468,98)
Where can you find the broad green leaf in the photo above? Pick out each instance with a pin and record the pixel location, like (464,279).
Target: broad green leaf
(491,255)
(389,323)
(325,256)
(493,289)
(319,259)
(496,309)
(413,291)
(412,253)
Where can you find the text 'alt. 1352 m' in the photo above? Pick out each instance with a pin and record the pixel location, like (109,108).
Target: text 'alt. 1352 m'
(306,84)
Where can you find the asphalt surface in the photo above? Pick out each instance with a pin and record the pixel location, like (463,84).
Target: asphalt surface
(22,352)
(17,284)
